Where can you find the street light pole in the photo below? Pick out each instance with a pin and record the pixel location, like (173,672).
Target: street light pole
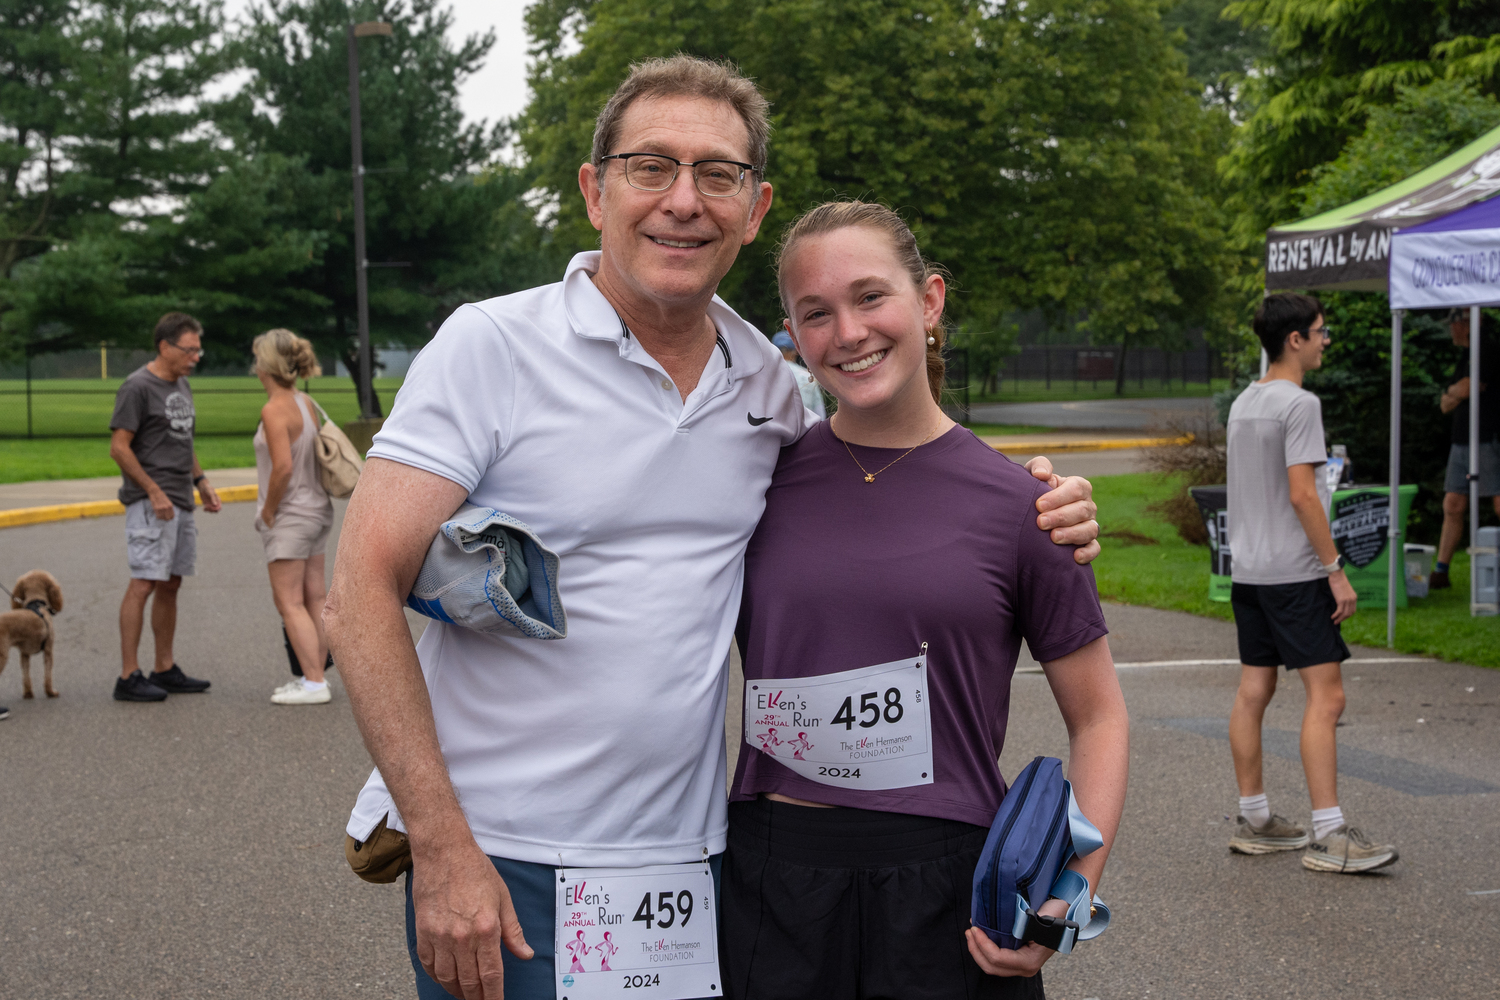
(361,264)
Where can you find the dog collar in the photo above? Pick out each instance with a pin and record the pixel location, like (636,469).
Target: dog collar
(35,607)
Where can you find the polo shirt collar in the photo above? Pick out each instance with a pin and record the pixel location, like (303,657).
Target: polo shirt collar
(590,315)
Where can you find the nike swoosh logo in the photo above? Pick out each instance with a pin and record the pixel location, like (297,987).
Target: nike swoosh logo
(755,421)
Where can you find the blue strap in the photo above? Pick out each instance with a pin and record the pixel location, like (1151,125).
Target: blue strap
(1086,836)
(1088,911)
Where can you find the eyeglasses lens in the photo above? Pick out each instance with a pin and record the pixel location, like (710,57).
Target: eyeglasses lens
(656,173)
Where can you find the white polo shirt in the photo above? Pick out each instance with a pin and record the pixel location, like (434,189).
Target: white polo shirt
(605,748)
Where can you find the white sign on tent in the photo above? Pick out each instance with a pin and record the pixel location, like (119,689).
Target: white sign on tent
(1437,270)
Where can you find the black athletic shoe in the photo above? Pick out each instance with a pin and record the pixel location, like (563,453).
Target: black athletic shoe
(174,681)
(1438,580)
(137,688)
(4,712)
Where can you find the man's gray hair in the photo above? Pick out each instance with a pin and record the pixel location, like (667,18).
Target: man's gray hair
(686,76)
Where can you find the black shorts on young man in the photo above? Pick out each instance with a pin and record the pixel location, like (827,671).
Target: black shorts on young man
(1289,623)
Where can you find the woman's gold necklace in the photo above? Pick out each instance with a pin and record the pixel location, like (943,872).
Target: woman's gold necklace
(870,476)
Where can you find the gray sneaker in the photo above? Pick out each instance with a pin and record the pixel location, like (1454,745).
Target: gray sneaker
(1347,850)
(1277,835)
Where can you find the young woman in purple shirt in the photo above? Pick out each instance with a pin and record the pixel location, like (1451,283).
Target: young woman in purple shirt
(887,590)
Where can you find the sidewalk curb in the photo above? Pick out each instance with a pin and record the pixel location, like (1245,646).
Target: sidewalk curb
(1100,444)
(102,508)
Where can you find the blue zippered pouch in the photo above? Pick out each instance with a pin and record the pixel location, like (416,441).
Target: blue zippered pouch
(1037,831)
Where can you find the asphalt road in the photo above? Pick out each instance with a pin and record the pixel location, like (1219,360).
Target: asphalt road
(193,848)
(1102,414)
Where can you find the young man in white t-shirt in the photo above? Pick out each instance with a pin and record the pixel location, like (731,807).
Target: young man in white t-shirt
(1290,592)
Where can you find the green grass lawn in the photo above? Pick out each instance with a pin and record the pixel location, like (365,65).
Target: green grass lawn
(80,458)
(224,405)
(1145,562)
(1062,390)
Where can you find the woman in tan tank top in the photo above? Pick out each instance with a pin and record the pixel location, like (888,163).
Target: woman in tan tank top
(293,513)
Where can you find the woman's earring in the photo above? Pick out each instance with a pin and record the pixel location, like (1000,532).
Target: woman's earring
(930,338)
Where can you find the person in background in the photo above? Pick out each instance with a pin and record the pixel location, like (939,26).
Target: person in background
(1456,401)
(293,513)
(151,440)
(1290,592)
(812,394)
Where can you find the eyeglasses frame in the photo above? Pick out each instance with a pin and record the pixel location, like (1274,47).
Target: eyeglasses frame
(744,167)
(197,351)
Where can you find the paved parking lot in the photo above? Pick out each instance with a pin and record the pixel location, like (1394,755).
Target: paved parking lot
(193,848)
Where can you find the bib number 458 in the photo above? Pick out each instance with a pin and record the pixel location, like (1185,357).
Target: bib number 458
(870,705)
(665,914)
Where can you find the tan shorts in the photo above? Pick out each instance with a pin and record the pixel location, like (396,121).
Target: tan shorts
(294,536)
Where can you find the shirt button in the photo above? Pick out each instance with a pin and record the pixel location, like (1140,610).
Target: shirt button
(666,384)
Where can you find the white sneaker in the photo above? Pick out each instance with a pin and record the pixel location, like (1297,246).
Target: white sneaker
(290,685)
(299,695)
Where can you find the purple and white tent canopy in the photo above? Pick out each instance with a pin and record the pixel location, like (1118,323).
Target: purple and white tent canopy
(1451,261)
(1448,255)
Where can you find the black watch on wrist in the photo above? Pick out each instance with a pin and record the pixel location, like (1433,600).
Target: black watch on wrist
(199,478)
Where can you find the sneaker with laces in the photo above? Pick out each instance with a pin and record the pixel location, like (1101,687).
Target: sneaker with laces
(300,695)
(137,688)
(290,685)
(174,681)
(1347,850)
(1277,835)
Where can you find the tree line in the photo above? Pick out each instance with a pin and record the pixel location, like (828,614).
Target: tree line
(1109,165)
(155,157)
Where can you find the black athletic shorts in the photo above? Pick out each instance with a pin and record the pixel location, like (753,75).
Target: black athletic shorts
(1289,623)
(850,904)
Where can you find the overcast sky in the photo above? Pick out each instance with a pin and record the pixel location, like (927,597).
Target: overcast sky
(499,89)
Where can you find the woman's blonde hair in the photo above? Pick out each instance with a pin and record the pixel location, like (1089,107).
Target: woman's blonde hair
(284,357)
(835,215)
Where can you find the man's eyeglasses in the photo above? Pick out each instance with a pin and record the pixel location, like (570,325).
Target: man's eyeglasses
(1325,332)
(196,352)
(655,172)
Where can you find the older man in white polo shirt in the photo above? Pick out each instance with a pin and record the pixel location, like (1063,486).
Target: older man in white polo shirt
(633,420)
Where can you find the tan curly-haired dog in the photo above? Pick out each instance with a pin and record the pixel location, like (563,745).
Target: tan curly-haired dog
(30,629)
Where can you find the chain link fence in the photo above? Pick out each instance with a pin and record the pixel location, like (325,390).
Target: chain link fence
(71,394)
(1076,368)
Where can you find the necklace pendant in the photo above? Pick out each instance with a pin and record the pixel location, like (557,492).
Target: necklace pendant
(869,478)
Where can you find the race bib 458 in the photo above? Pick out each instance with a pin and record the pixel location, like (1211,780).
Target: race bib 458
(865,728)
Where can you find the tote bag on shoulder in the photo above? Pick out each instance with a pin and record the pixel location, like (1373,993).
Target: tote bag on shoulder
(339,464)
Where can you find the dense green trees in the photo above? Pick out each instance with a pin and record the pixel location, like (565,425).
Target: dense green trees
(130,192)
(1051,154)
(1331,65)
(1109,165)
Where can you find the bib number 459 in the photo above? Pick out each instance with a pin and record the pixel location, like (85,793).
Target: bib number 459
(870,705)
(666,914)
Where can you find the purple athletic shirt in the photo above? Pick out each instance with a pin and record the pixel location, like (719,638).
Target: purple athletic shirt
(942,548)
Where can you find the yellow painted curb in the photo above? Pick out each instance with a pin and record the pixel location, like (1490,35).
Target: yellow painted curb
(1099,444)
(102,508)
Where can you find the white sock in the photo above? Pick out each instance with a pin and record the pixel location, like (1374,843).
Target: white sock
(1256,809)
(308,685)
(1325,821)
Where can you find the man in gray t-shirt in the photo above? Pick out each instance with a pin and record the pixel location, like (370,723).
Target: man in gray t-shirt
(1274,426)
(1290,592)
(151,440)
